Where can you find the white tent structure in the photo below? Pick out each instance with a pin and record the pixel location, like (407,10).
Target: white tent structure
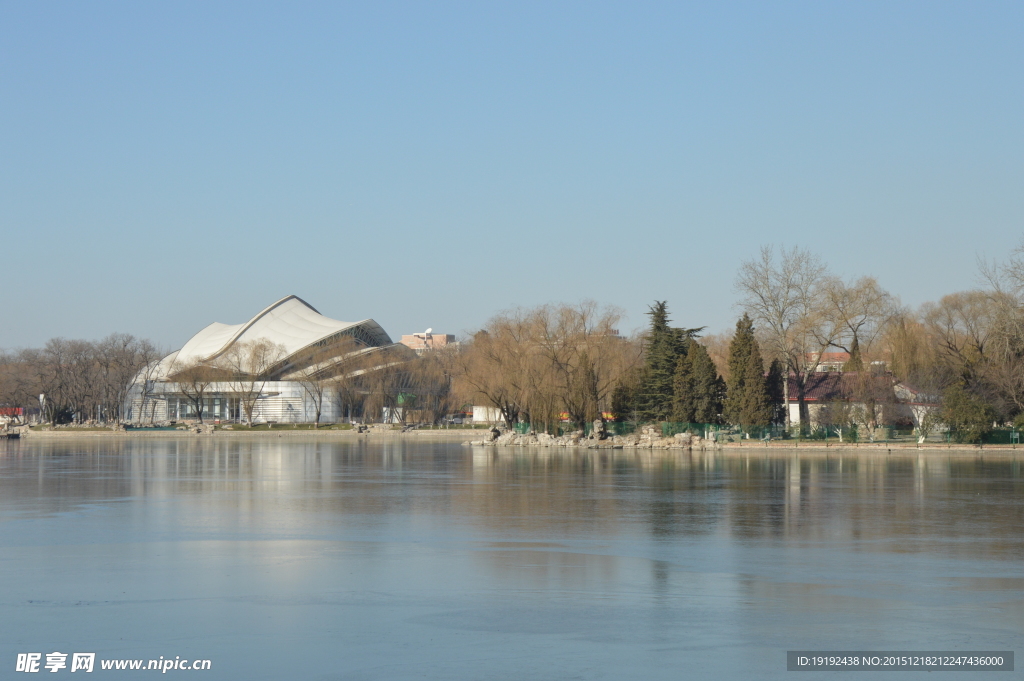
(298,333)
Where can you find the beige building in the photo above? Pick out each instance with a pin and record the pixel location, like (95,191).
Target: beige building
(427,341)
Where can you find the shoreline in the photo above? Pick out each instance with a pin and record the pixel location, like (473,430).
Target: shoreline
(465,437)
(437,435)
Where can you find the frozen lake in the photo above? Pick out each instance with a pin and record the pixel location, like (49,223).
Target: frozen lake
(311,559)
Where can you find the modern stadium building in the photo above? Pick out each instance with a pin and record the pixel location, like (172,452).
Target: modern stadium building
(302,355)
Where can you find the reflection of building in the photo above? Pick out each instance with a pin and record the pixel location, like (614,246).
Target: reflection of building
(427,341)
(307,349)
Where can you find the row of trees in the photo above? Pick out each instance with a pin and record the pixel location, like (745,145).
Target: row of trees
(569,361)
(802,312)
(964,352)
(959,361)
(536,365)
(80,379)
(968,348)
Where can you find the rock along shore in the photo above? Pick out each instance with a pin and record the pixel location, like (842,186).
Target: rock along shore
(649,440)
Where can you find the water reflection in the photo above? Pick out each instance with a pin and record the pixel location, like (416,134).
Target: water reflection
(442,561)
(885,503)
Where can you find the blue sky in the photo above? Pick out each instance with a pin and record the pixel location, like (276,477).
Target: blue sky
(163,166)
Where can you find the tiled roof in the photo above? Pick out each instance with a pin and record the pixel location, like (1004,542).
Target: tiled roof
(827,386)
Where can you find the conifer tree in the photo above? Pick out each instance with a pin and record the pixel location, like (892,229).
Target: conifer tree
(625,396)
(855,363)
(757,407)
(708,387)
(747,402)
(683,404)
(776,396)
(655,390)
(665,345)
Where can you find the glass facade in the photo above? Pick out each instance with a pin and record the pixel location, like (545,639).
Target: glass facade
(214,408)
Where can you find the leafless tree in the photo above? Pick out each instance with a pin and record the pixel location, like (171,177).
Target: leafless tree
(120,358)
(193,379)
(1005,365)
(247,365)
(315,379)
(431,381)
(494,367)
(787,297)
(863,311)
(535,364)
(383,379)
(582,352)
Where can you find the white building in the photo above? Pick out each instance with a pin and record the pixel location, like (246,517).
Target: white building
(306,346)
(483,414)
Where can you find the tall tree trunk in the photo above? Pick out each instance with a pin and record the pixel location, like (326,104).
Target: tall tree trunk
(785,398)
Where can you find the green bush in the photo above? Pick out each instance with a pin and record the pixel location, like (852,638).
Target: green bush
(969,418)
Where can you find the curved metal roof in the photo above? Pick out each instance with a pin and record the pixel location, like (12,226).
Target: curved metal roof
(290,322)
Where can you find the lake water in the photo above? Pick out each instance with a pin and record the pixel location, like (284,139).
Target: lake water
(305,559)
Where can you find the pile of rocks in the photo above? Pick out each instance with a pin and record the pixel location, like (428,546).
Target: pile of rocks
(512,439)
(649,437)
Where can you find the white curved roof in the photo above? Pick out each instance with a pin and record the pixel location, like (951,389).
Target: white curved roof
(290,322)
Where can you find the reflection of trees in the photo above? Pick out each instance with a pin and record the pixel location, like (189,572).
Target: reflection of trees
(901,504)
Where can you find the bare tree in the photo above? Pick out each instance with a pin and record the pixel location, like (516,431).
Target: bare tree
(335,373)
(1005,361)
(837,414)
(787,297)
(863,310)
(120,358)
(962,325)
(383,378)
(535,364)
(247,365)
(584,356)
(145,382)
(494,367)
(315,379)
(430,380)
(193,379)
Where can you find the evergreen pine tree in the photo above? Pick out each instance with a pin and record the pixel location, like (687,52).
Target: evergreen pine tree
(664,347)
(698,389)
(855,363)
(747,401)
(625,395)
(739,358)
(708,388)
(683,404)
(663,351)
(776,375)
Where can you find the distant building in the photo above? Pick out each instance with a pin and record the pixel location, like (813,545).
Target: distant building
(12,415)
(421,342)
(907,404)
(282,390)
(829,361)
(483,414)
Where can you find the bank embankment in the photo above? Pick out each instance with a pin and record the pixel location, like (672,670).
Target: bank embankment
(471,437)
(325,434)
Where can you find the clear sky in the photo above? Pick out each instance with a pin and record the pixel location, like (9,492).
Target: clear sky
(166,165)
